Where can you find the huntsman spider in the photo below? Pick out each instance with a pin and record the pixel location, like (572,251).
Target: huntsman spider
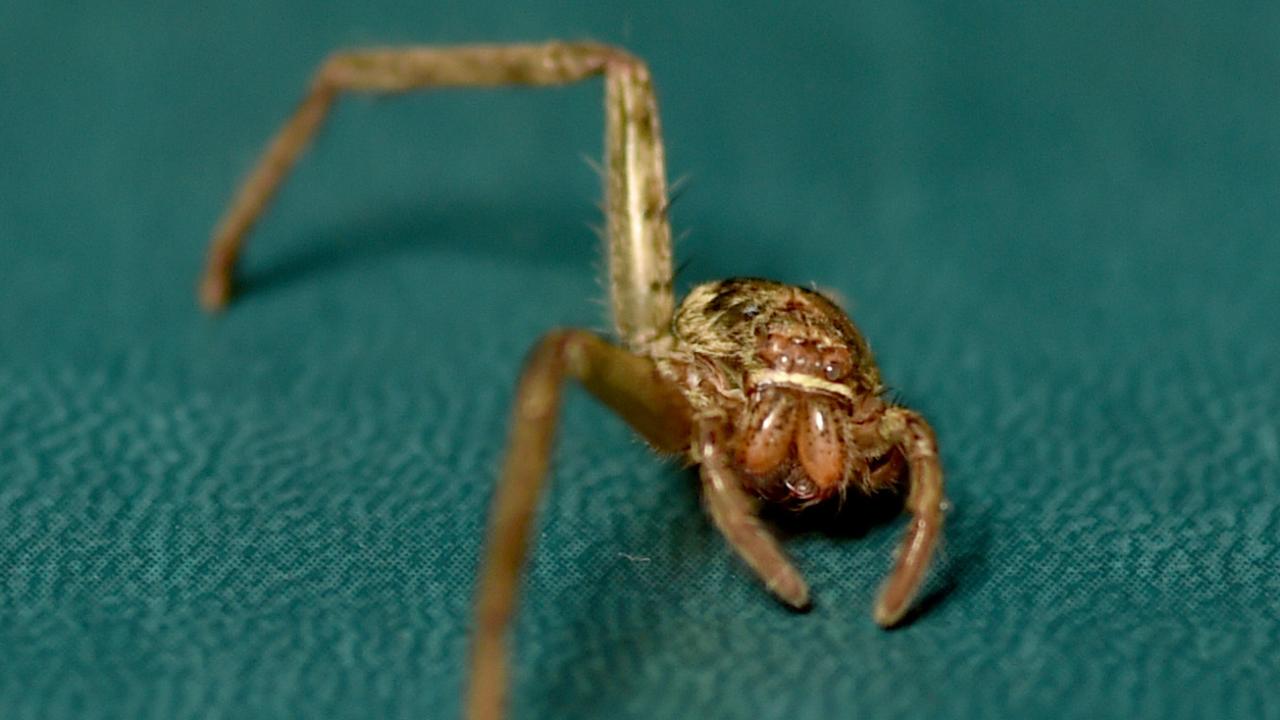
(768,388)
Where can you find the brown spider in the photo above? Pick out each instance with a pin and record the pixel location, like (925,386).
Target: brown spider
(769,388)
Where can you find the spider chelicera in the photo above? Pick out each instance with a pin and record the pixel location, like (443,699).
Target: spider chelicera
(769,388)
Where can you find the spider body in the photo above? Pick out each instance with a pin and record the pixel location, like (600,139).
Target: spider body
(794,381)
(768,388)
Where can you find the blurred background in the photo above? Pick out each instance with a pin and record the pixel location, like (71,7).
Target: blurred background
(1056,224)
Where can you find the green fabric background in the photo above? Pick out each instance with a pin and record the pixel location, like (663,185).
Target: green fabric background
(1056,223)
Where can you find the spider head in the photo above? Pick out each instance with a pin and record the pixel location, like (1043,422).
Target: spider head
(805,356)
(807,375)
(761,325)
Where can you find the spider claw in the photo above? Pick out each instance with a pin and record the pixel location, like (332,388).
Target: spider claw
(887,615)
(791,589)
(215,292)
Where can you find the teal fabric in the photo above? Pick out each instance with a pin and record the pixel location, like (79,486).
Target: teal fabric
(1056,222)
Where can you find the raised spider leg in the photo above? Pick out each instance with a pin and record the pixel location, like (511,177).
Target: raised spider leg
(925,500)
(734,513)
(635,183)
(627,383)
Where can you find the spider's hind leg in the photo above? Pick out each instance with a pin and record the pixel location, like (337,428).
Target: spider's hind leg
(627,383)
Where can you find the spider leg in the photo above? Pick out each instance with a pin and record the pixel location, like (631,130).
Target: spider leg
(734,512)
(925,501)
(887,473)
(627,383)
(635,178)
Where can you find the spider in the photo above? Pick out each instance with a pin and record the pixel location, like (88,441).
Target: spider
(769,388)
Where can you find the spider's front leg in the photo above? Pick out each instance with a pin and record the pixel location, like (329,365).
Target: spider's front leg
(630,385)
(925,501)
(640,277)
(635,166)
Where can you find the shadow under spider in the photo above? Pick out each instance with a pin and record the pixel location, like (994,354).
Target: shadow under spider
(851,520)
(559,236)
(527,236)
(859,514)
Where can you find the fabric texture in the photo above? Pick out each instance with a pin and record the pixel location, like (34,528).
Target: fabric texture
(1056,224)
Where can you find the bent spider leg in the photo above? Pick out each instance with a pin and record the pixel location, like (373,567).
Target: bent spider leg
(886,473)
(734,513)
(635,182)
(925,500)
(627,383)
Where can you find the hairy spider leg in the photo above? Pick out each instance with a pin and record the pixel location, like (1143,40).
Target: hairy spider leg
(627,383)
(642,298)
(639,235)
(925,500)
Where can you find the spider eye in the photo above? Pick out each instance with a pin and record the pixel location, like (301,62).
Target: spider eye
(835,366)
(832,371)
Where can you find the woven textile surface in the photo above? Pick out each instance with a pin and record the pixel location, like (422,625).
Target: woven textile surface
(1056,224)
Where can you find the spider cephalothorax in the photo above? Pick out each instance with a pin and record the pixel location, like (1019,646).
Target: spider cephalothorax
(798,383)
(768,387)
